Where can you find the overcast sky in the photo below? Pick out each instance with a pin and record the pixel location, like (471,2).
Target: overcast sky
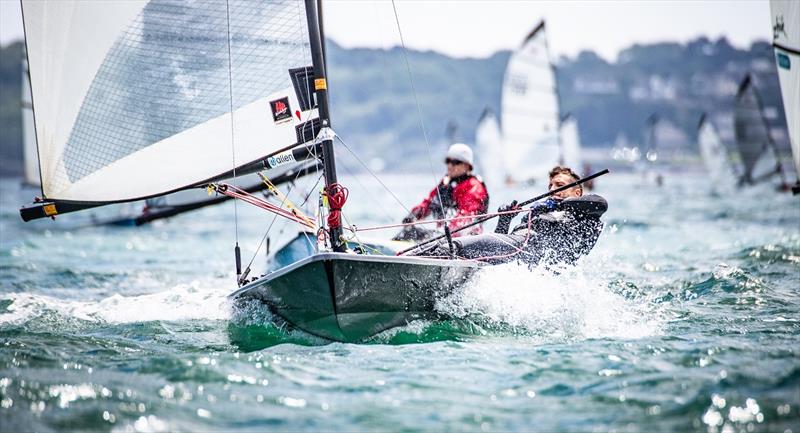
(478,28)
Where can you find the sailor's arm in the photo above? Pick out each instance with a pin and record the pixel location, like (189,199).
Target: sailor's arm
(423,209)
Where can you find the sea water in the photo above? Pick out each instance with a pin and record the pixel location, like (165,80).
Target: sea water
(685,317)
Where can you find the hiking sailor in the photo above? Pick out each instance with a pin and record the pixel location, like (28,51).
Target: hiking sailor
(462,194)
(559,229)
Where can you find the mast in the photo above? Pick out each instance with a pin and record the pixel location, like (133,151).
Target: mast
(314,17)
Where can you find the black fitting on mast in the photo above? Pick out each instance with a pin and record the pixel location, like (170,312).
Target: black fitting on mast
(314,18)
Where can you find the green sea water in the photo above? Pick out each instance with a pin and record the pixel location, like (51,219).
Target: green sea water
(685,317)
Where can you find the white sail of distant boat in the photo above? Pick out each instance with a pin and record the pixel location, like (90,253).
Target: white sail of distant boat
(29,157)
(715,155)
(530,111)
(786,41)
(571,144)
(489,150)
(144,113)
(759,156)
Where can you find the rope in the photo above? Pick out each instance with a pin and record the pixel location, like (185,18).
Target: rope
(337,197)
(438,221)
(373,174)
(293,215)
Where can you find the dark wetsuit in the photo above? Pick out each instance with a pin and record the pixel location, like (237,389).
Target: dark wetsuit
(561,235)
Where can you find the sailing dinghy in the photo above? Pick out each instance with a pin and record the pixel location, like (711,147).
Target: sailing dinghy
(786,41)
(759,154)
(143,98)
(530,114)
(715,155)
(489,146)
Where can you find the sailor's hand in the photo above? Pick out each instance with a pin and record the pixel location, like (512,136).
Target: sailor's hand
(504,222)
(408,219)
(544,206)
(508,207)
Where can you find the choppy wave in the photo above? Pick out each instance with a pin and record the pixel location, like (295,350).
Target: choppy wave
(181,303)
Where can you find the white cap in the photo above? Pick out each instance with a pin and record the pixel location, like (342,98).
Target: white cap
(460,152)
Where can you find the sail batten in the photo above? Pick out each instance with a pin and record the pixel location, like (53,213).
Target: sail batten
(148,110)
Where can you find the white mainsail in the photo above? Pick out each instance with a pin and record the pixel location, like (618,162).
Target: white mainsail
(29,157)
(715,156)
(489,144)
(571,144)
(530,112)
(139,98)
(786,40)
(759,156)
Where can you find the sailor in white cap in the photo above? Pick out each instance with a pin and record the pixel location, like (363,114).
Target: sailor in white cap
(459,194)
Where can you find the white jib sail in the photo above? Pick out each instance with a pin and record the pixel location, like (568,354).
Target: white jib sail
(30,159)
(489,144)
(786,40)
(571,145)
(715,156)
(530,112)
(133,98)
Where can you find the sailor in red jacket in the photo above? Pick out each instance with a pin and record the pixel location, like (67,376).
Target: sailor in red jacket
(461,194)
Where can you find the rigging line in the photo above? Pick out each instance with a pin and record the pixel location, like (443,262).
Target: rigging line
(275,216)
(419,109)
(374,200)
(233,146)
(373,174)
(311,191)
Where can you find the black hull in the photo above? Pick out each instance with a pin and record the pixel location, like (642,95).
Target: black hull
(348,297)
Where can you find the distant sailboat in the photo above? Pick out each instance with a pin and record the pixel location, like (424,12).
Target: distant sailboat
(786,41)
(716,157)
(571,144)
(530,112)
(489,146)
(758,152)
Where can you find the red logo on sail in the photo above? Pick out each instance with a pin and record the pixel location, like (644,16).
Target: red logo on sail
(280,109)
